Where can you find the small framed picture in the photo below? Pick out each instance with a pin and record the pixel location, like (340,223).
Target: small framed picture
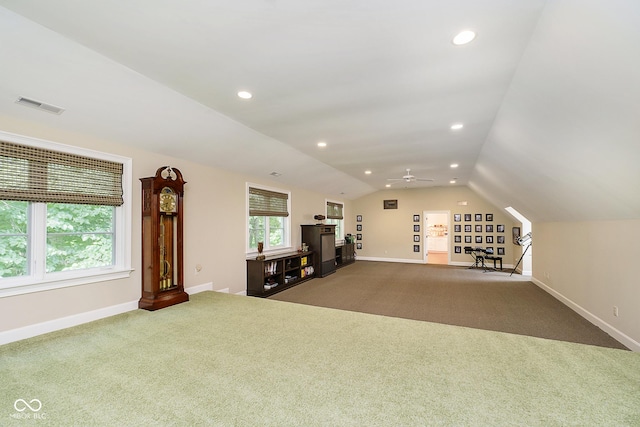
(489,217)
(358,236)
(390,204)
(416,218)
(467,228)
(467,217)
(358,227)
(489,239)
(500,240)
(416,237)
(467,239)
(416,248)
(478,239)
(358,245)
(457,249)
(358,218)
(489,228)
(478,217)
(500,228)
(457,217)
(515,234)
(457,228)
(457,239)
(500,251)
(416,228)
(479,228)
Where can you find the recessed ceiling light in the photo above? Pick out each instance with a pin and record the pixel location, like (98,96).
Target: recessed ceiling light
(457,126)
(367,172)
(464,37)
(453,181)
(454,165)
(244,94)
(388,185)
(322,144)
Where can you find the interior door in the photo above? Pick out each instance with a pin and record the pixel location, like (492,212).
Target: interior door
(436,237)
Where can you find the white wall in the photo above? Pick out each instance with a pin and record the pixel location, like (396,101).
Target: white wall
(591,266)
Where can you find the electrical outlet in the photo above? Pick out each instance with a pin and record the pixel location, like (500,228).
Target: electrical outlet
(198,268)
(615,310)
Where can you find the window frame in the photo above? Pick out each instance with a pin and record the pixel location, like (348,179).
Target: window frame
(37,279)
(250,252)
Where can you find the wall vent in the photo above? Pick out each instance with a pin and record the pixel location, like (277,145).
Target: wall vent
(39,105)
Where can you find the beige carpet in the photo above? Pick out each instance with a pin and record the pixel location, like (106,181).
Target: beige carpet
(459,296)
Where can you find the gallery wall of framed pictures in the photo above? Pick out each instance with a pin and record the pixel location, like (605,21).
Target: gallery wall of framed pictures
(478,230)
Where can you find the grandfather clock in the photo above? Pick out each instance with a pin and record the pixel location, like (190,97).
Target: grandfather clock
(162,240)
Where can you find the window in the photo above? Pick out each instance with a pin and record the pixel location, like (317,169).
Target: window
(335,216)
(268,219)
(64,217)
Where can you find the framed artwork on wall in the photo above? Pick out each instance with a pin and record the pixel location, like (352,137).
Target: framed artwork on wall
(467,228)
(467,239)
(479,228)
(416,228)
(457,239)
(416,237)
(416,218)
(358,227)
(457,228)
(358,236)
(467,217)
(500,240)
(489,239)
(489,217)
(457,217)
(478,239)
(500,228)
(390,204)
(478,217)
(500,251)
(358,245)
(457,249)
(416,248)
(489,228)
(358,218)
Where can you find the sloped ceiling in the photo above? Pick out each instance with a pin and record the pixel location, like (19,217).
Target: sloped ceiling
(549,92)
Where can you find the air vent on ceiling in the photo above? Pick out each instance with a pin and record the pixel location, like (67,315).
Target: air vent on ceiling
(39,105)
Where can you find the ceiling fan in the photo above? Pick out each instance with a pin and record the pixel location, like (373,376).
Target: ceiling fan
(408,178)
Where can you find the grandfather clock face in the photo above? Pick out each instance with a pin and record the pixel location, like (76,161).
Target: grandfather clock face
(168,201)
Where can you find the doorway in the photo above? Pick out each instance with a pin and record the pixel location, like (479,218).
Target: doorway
(436,237)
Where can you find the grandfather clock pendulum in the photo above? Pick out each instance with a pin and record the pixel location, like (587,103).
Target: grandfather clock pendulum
(162,240)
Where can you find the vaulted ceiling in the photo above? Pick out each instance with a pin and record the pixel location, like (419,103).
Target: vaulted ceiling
(548,91)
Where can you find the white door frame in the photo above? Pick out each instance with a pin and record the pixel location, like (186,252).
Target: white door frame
(425,233)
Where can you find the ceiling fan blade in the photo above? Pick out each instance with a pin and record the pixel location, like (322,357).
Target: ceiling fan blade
(424,179)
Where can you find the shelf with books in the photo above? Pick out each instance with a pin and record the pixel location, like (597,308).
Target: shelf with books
(273,274)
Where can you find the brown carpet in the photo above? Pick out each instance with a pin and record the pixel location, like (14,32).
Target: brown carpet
(459,296)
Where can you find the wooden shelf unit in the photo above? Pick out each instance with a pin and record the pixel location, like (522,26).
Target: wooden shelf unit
(277,273)
(345,254)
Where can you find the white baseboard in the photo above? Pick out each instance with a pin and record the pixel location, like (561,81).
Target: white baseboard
(65,322)
(406,261)
(199,288)
(615,333)
(80,318)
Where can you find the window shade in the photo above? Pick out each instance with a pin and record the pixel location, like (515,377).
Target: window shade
(36,174)
(267,203)
(334,210)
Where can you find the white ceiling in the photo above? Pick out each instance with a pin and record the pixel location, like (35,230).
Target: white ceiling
(549,91)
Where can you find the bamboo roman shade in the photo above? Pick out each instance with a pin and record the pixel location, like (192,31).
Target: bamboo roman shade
(334,210)
(36,174)
(267,203)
